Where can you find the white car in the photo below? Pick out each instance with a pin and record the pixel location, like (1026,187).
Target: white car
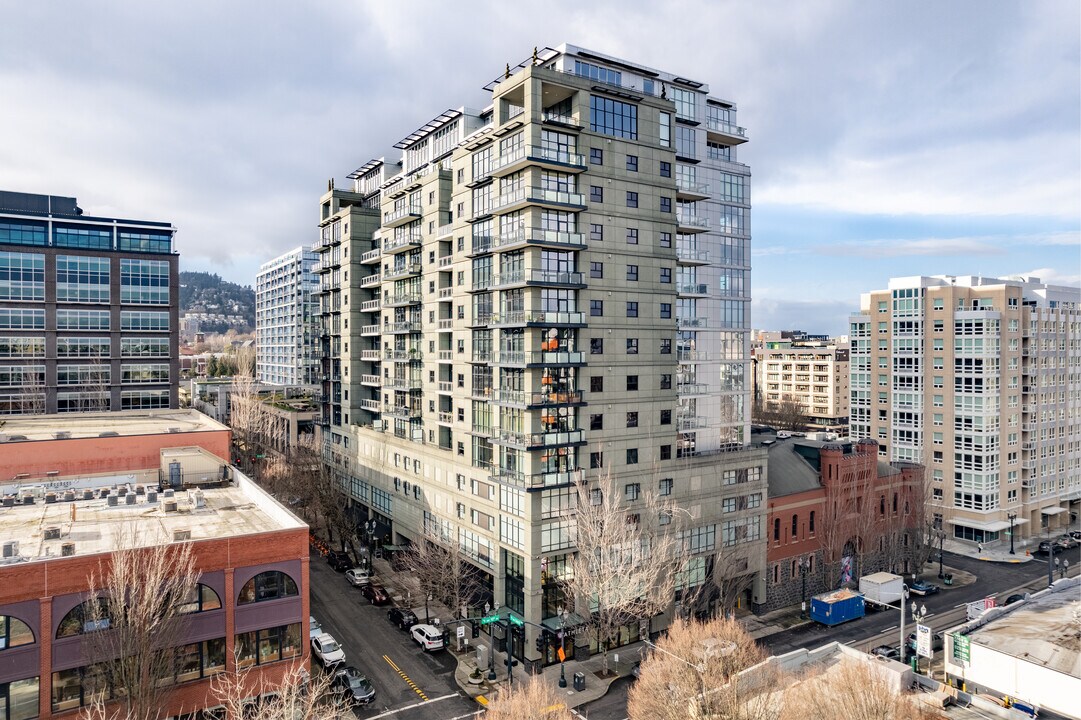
(358,577)
(314,628)
(327,650)
(428,637)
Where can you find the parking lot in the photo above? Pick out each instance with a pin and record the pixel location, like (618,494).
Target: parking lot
(409,683)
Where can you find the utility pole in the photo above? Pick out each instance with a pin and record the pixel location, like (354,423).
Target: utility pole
(1011,516)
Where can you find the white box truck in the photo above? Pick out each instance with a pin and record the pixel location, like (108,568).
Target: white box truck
(882,588)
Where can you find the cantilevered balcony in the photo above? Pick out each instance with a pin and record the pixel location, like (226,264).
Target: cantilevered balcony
(691,191)
(692,290)
(401,299)
(687,223)
(539,358)
(691,256)
(728,133)
(523,197)
(400,271)
(527,441)
(536,481)
(402,411)
(521,157)
(521,237)
(407,326)
(536,318)
(526,399)
(401,216)
(371,280)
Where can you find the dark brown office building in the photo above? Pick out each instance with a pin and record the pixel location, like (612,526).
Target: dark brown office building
(88,309)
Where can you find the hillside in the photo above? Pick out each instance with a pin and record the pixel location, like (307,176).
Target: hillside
(207,292)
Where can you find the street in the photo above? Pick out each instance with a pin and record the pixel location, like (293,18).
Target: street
(409,684)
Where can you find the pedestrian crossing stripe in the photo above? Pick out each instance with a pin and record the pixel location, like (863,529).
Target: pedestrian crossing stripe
(408,680)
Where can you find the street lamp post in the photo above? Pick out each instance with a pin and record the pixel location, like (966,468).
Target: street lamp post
(1011,517)
(1050,567)
(562,634)
(904,596)
(918,616)
(941,542)
(370,528)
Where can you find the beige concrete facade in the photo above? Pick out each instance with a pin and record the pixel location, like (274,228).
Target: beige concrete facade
(813,372)
(554,287)
(979,380)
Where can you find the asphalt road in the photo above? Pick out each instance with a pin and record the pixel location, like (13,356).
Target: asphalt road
(409,684)
(945,609)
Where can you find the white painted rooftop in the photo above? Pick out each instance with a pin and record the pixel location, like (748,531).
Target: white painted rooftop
(124,423)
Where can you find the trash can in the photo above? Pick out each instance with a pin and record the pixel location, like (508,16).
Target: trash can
(948,578)
(579,681)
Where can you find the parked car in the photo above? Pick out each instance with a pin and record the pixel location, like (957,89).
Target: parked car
(404,618)
(340,561)
(1066,541)
(936,642)
(314,628)
(376,594)
(1076,534)
(1014,598)
(428,637)
(358,577)
(327,651)
(353,686)
(1049,547)
(886,652)
(922,587)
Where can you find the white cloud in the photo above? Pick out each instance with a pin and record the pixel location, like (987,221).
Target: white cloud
(1054,276)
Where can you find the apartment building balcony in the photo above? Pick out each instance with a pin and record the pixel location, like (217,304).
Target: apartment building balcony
(693,323)
(536,481)
(445,356)
(410,355)
(371,405)
(371,257)
(692,290)
(402,383)
(370,280)
(393,246)
(370,305)
(320,267)
(401,271)
(536,155)
(445,324)
(445,387)
(481,245)
(692,389)
(445,418)
(523,237)
(401,216)
(402,299)
(522,278)
(479,320)
(691,256)
(527,399)
(444,231)
(402,411)
(371,380)
(537,440)
(480,356)
(691,422)
(518,199)
(537,318)
(540,358)
(407,326)
(370,355)
(687,224)
(444,294)
(728,133)
(369,330)
(691,191)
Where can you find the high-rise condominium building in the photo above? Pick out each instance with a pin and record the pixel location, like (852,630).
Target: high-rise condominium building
(88,309)
(286,320)
(814,372)
(979,380)
(536,293)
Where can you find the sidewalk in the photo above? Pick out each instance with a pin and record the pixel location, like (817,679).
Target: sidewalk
(999,552)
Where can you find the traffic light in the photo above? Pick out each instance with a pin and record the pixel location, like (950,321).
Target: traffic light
(476,630)
(540,642)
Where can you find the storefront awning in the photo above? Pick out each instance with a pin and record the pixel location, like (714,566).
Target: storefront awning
(1053,510)
(985,525)
(573,620)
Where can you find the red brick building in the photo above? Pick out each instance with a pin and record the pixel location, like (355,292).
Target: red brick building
(60,521)
(835,513)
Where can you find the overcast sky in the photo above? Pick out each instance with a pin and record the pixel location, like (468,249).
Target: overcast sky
(887,138)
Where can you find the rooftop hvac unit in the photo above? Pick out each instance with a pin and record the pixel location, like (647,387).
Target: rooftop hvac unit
(129,499)
(67,549)
(113,500)
(62,435)
(181,535)
(11,549)
(169,506)
(52,533)
(198,499)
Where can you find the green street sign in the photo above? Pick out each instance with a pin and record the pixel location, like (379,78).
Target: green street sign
(489,619)
(515,621)
(960,647)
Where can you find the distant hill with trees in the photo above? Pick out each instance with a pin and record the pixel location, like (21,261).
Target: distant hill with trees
(209,293)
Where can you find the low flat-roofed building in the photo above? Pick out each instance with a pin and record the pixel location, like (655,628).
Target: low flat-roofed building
(1029,651)
(165,484)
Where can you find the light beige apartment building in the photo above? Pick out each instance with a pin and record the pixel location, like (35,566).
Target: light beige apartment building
(811,371)
(978,379)
(535,293)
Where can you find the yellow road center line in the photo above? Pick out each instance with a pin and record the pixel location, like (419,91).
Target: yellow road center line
(407,679)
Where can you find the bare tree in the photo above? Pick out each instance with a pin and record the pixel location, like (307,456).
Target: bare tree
(141,615)
(442,571)
(296,695)
(698,671)
(725,578)
(534,699)
(852,689)
(624,569)
(33,391)
(788,413)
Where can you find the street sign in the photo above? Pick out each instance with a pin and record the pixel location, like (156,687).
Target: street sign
(923,641)
(461,631)
(489,619)
(960,648)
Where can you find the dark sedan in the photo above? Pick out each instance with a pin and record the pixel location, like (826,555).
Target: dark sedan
(402,617)
(376,594)
(922,587)
(353,686)
(339,560)
(1050,547)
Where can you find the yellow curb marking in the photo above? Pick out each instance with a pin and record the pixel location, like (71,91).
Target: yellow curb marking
(407,679)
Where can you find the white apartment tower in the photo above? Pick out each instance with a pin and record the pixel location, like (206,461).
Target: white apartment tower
(535,293)
(286,321)
(978,379)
